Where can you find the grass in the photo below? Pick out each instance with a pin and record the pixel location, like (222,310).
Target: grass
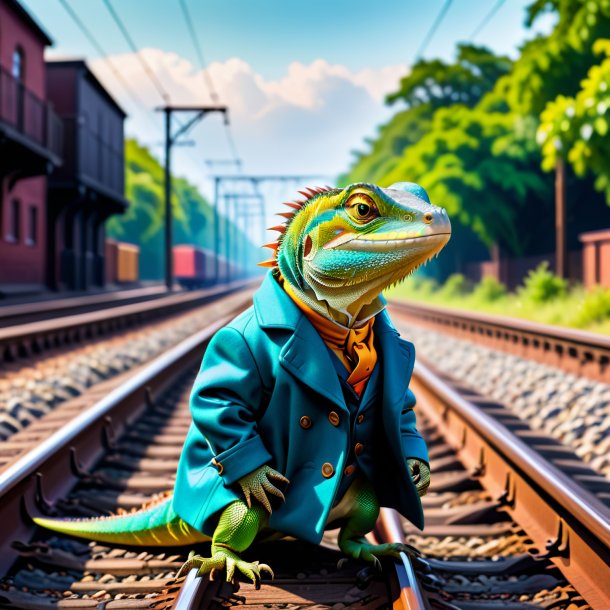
(543,298)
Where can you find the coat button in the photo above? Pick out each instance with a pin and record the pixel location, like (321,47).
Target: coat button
(358,448)
(333,418)
(360,419)
(349,470)
(305,422)
(327,470)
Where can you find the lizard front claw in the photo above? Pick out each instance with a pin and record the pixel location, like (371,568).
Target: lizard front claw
(229,561)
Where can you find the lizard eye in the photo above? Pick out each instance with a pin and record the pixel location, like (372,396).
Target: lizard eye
(361,208)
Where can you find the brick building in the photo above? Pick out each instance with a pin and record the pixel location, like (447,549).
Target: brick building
(30,148)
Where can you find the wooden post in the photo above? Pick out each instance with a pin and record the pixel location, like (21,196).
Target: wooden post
(561,251)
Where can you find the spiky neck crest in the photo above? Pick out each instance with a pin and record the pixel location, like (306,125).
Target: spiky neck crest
(340,248)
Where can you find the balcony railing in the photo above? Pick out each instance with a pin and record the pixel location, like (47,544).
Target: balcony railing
(28,114)
(90,157)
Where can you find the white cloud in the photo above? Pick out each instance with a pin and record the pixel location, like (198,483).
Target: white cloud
(305,122)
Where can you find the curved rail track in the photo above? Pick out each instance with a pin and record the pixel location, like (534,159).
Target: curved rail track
(505,528)
(575,351)
(26,339)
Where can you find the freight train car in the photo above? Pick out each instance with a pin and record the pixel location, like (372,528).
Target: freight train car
(195,267)
(122,262)
(128,263)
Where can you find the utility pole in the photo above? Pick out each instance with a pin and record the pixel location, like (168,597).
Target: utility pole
(561,251)
(171,140)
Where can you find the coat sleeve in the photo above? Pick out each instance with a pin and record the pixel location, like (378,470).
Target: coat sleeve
(413,445)
(226,397)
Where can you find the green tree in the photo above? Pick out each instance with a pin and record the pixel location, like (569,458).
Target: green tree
(432,84)
(576,128)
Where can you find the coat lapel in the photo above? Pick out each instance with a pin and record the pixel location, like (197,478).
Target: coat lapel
(304,355)
(398,358)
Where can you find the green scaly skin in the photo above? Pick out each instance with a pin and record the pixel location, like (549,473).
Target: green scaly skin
(339,249)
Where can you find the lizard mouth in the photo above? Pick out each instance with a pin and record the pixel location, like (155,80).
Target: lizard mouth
(379,244)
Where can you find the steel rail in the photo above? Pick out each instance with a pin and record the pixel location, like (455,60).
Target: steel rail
(576,351)
(565,521)
(59,440)
(14,313)
(411,597)
(24,336)
(191,591)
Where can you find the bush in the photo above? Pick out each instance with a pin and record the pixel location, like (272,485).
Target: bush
(456,285)
(542,285)
(489,289)
(595,307)
(420,284)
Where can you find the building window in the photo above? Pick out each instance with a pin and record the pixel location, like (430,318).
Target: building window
(32,226)
(14,221)
(17,66)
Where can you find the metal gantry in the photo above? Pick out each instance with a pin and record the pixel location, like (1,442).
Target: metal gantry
(243,192)
(240,208)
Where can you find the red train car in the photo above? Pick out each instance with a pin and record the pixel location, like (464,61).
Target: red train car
(195,267)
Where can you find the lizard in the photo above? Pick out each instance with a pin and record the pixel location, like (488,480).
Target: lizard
(337,250)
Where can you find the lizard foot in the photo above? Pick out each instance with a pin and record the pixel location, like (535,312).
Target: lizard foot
(361,549)
(225,559)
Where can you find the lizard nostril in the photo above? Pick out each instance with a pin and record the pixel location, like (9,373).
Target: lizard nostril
(428,217)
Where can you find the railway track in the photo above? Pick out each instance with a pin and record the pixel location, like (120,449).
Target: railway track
(505,528)
(498,494)
(45,308)
(575,351)
(134,436)
(28,339)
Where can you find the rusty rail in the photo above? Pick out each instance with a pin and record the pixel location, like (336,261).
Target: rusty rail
(568,525)
(575,351)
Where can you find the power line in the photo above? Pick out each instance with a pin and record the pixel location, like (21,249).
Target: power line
(486,19)
(207,77)
(145,65)
(106,59)
(202,63)
(432,30)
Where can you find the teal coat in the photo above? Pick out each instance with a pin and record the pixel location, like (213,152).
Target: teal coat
(260,375)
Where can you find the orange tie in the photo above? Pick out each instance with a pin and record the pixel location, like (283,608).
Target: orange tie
(353,346)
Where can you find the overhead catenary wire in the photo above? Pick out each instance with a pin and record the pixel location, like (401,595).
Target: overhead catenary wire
(428,37)
(488,17)
(207,77)
(145,65)
(202,63)
(106,59)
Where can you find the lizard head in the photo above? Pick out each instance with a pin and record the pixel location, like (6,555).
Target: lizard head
(348,245)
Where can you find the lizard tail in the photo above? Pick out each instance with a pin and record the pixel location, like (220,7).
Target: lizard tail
(155,524)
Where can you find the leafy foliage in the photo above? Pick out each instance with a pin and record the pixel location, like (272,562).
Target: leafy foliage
(458,139)
(595,307)
(456,285)
(542,285)
(576,128)
(577,307)
(489,289)
(471,131)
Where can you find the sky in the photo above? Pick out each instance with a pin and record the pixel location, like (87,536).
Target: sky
(304,81)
